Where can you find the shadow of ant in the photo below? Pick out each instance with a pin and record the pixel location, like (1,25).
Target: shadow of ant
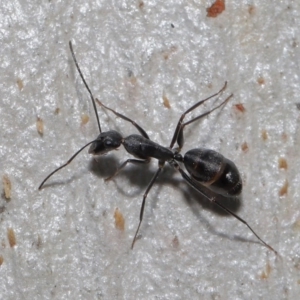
(140,176)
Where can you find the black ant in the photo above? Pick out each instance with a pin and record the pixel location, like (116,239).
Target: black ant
(204,166)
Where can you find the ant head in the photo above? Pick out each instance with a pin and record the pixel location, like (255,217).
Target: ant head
(105,142)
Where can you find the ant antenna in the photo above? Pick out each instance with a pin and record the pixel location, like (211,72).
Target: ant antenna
(86,85)
(65,164)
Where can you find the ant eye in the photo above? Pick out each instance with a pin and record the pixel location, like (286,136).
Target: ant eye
(108,143)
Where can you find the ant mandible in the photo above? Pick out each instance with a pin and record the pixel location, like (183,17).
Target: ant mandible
(204,166)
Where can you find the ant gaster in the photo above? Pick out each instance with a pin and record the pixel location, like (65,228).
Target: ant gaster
(204,166)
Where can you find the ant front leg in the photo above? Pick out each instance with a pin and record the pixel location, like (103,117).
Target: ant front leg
(133,161)
(138,127)
(178,134)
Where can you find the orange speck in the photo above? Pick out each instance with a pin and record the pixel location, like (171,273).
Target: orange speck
(6,187)
(119,220)
(264,135)
(84,119)
(245,147)
(261,81)
(240,107)
(216,8)
(282,163)
(284,190)
(266,272)
(251,9)
(11,237)
(40,125)
(20,84)
(166,102)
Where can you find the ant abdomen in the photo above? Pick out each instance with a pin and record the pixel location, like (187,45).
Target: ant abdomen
(213,170)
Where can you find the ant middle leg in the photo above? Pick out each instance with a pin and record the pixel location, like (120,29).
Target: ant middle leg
(133,161)
(178,134)
(160,166)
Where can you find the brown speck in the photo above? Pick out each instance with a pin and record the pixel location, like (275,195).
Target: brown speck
(20,84)
(6,187)
(141,4)
(245,147)
(119,220)
(166,102)
(167,53)
(261,80)
(294,44)
(57,111)
(39,242)
(296,225)
(84,119)
(240,107)
(251,9)
(266,273)
(133,80)
(264,135)
(1,260)
(175,242)
(40,126)
(282,163)
(284,137)
(298,281)
(216,9)
(11,237)
(284,190)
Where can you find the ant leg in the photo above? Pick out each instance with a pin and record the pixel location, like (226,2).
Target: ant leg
(138,127)
(160,165)
(180,139)
(178,135)
(133,161)
(74,155)
(193,184)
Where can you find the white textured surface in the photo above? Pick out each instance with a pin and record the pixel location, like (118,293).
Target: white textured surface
(67,243)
